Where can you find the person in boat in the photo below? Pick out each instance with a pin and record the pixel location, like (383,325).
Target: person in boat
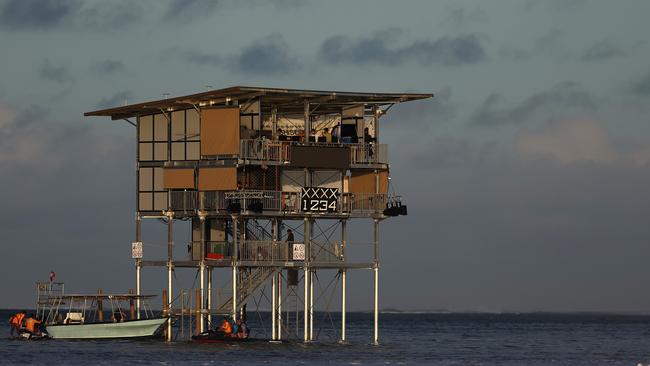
(242,329)
(235,328)
(16,322)
(225,327)
(33,325)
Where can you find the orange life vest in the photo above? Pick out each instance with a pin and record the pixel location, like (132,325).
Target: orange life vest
(17,320)
(30,324)
(225,326)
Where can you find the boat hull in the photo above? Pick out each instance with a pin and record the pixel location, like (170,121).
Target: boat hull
(128,329)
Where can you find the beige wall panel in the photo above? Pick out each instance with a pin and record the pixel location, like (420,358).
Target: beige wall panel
(193,125)
(158,179)
(362,182)
(383,181)
(292,180)
(178,151)
(146,179)
(326,179)
(145,124)
(145,201)
(220,131)
(160,127)
(252,107)
(217,179)
(146,151)
(178,126)
(193,151)
(178,178)
(160,151)
(160,201)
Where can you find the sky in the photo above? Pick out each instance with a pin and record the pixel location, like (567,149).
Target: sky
(526,177)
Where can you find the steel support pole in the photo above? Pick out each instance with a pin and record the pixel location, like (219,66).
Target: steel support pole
(170,266)
(234,267)
(138,263)
(343,303)
(306,306)
(274,308)
(307,124)
(208,304)
(201,320)
(311,305)
(279,306)
(376,275)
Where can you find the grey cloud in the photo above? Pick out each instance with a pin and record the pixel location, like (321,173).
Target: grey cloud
(38,14)
(190,9)
(59,74)
(641,86)
(107,67)
(269,55)
(50,14)
(559,99)
(460,17)
(449,51)
(601,51)
(116,100)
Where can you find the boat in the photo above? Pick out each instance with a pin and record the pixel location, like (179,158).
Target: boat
(215,336)
(82,316)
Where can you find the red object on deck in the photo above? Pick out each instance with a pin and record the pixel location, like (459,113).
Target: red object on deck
(214,256)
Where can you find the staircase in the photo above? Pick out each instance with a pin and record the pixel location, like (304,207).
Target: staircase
(249,279)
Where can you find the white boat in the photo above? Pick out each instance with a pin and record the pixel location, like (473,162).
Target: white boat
(127,329)
(97,316)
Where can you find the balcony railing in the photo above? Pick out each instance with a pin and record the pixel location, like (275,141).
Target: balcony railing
(268,251)
(280,151)
(270,201)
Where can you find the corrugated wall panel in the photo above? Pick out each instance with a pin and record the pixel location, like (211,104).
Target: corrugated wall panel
(217,179)
(220,131)
(175,178)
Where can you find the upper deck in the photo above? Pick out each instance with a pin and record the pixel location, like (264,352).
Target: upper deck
(196,152)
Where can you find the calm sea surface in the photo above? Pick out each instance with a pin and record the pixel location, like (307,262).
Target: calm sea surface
(437,339)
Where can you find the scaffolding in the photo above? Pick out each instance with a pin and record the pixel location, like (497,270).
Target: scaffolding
(270,179)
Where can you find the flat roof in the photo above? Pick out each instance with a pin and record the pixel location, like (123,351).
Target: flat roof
(287,101)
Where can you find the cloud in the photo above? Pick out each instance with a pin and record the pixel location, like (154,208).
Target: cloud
(460,17)
(37,14)
(559,100)
(641,86)
(50,72)
(423,113)
(107,67)
(376,49)
(568,142)
(71,14)
(190,9)
(602,50)
(116,100)
(269,55)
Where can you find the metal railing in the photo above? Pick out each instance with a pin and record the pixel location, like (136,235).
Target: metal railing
(269,251)
(363,202)
(278,201)
(280,151)
(183,200)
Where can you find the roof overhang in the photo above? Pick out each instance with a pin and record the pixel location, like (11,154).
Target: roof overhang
(285,101)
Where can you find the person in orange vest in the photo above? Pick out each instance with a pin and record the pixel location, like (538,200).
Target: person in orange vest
(33,325)
(16,322)
(226,327)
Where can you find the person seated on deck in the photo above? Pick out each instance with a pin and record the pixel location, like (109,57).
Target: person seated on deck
(235,328)
(225,327)
(33,325)
(16,322)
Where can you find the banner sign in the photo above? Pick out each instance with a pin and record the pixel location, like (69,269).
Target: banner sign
(136,250)
(298,252)
(317,199)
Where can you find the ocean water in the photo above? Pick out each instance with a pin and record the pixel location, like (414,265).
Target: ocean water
(435,339)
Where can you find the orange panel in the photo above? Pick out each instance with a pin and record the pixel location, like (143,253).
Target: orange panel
(383,181)
(362,182)
(220,131)
(217,179)
(178,178)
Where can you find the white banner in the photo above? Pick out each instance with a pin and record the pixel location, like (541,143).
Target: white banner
(136,250)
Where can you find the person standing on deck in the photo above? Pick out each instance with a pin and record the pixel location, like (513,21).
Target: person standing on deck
(16,322)
(289,244)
